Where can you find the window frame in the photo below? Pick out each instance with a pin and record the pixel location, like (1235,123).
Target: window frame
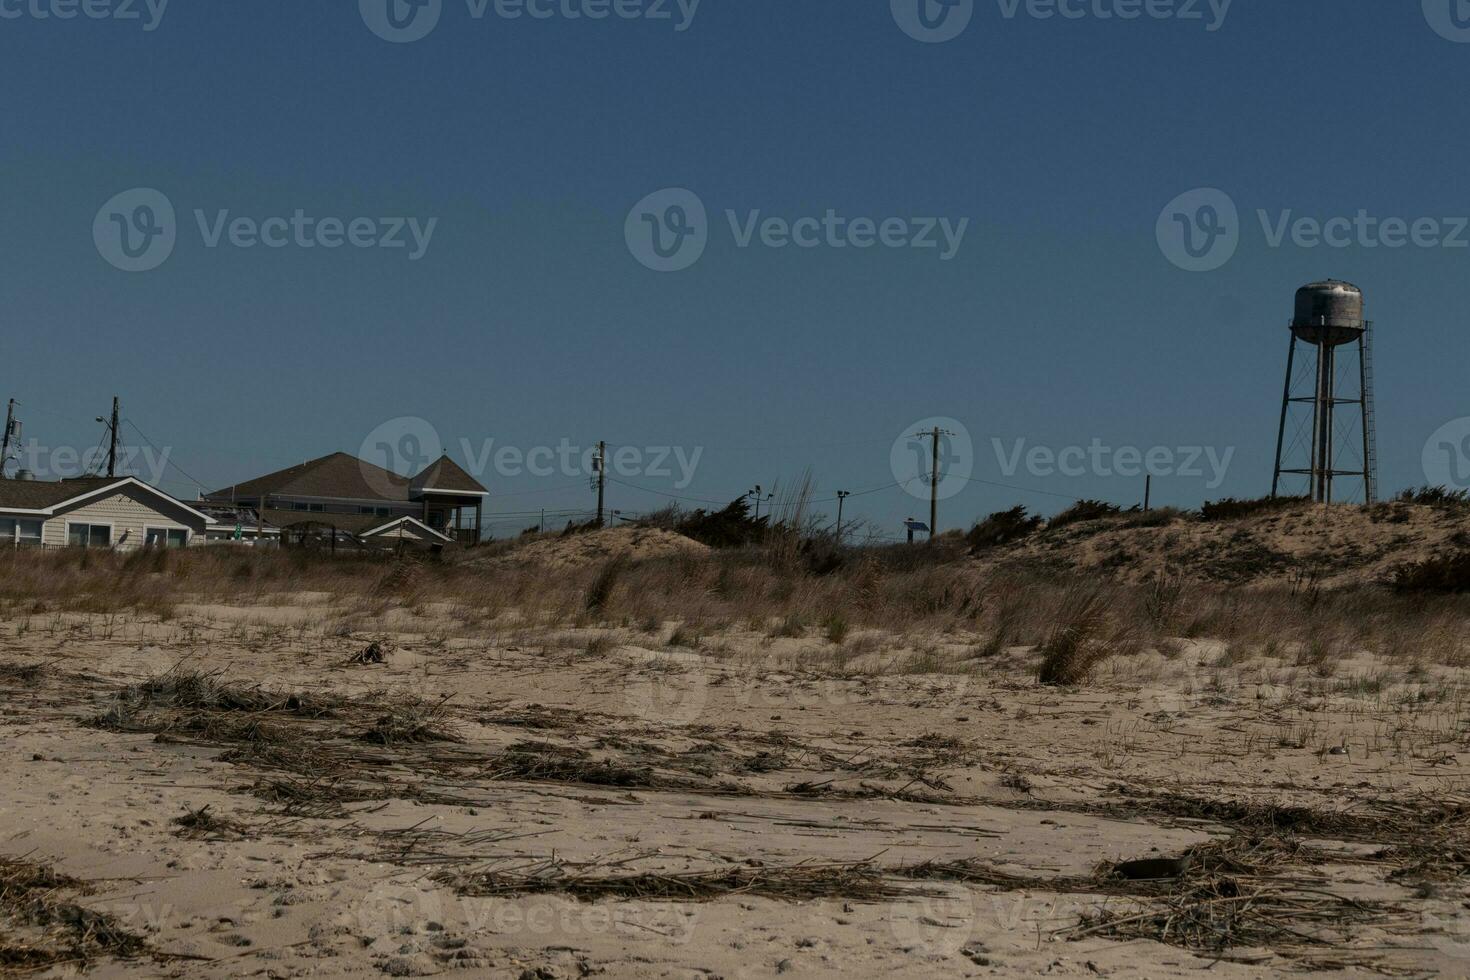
(166,531)
(89,525)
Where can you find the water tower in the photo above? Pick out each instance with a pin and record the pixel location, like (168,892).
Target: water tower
(1329,316)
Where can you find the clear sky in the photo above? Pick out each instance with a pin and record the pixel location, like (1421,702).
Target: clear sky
(522,314)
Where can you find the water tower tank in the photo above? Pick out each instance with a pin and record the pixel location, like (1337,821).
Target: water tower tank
(1328,312)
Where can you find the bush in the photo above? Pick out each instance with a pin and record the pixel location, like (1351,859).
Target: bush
(1002,527)
(1084,510)
(732,527)
(1442,574)
(1231,509)
(1436,497)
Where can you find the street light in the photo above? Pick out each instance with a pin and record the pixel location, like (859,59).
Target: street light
(842,495)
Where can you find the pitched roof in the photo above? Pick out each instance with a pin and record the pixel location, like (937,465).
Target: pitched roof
(351,523)
(336,476)
(405,519)
(47,496)
(41,494)
(445,474)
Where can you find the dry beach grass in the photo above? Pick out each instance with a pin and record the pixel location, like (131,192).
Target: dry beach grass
(739,762)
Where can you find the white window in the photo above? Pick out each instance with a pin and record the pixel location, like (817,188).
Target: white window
(162,537)
(23,532)
(89,535)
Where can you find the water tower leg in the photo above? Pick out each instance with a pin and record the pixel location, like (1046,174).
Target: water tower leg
(1285,406)
(1324,423)
(1316,431)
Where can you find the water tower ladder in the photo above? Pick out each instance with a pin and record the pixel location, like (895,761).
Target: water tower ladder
(1370,420)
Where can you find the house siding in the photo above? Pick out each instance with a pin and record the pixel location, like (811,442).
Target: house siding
(404,532)
(131,512)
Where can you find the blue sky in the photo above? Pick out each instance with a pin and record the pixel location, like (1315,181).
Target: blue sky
(1059,320)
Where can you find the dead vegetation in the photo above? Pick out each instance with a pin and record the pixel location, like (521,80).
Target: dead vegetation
(41,929)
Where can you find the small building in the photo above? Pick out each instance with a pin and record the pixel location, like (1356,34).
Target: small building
(115,513)
(340,500)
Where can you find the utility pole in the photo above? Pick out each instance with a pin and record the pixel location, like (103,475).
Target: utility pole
(935,435)
(1148,492)
(601,478)
(5,443)
(842,495)
(112,448)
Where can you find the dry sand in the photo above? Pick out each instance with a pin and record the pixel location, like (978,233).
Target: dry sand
(1332,547)
(599,547)
(576,761)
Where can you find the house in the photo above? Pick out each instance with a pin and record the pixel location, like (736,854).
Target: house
(347,500)
(121,513)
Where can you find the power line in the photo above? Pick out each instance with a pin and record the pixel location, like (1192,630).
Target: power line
(165,456)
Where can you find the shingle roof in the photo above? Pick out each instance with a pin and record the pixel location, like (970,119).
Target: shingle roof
(336,476)
(39,494)
(351,523)
(445,474)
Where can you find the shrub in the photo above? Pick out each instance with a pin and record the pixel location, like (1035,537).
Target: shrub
(1002,527)
(1083,510)
(1232,509)
(1435,497)
(1442,574)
